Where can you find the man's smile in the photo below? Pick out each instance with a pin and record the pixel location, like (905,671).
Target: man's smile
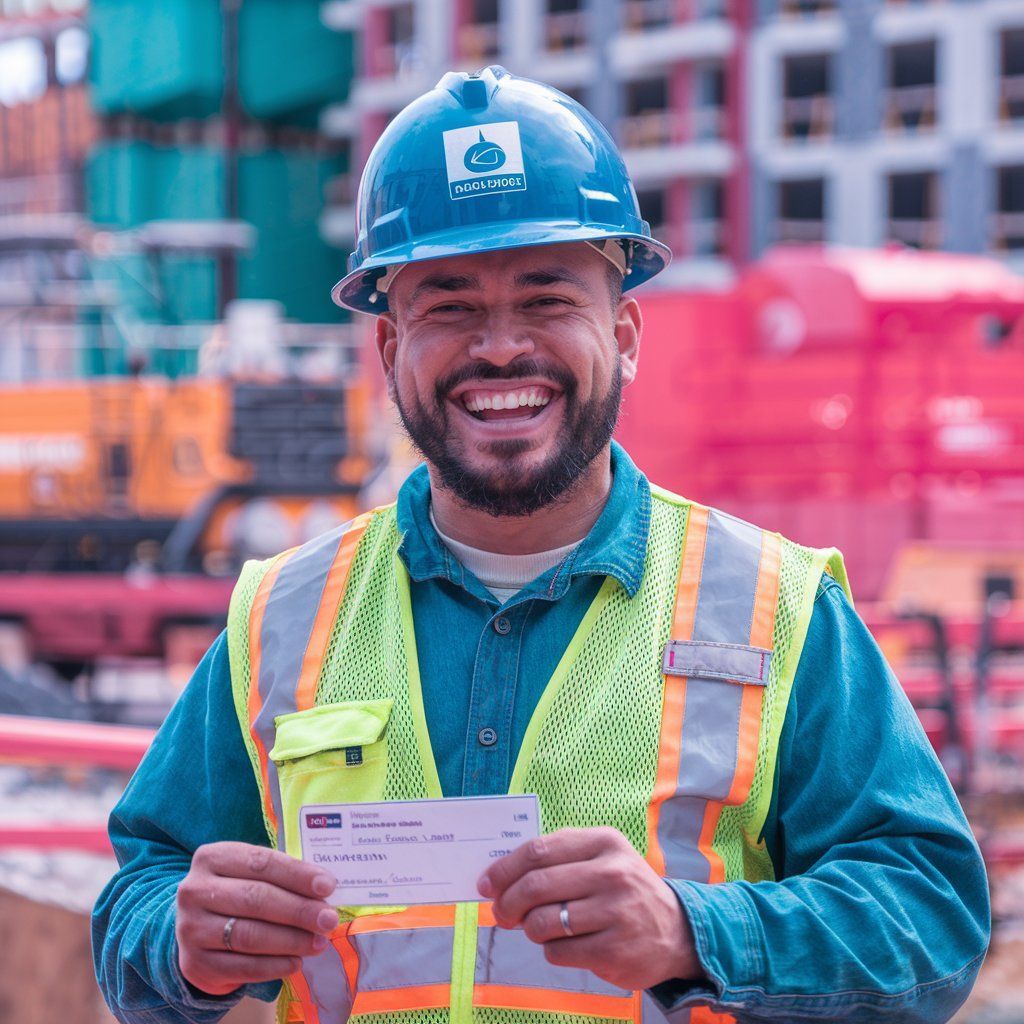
(513,400)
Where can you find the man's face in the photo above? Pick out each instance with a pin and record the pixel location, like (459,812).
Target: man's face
(507,369)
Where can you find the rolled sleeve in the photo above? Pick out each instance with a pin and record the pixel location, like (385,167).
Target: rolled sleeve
(194,786)
(879,910)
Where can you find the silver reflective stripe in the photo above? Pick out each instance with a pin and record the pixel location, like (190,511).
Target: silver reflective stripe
(728,584)
(506,957)
(328,986)
(287,624)
(704,660)
(651,1012)
(708,747)
(401,958)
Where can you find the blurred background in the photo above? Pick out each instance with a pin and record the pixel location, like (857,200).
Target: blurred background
(837,352)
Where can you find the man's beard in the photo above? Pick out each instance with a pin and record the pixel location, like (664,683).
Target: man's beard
(514,489)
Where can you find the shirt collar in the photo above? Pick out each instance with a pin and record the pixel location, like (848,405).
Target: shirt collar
(616,545)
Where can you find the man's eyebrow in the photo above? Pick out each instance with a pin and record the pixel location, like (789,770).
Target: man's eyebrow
(445,283)
(548,275)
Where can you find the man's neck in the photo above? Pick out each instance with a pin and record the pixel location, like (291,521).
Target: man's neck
(561,523)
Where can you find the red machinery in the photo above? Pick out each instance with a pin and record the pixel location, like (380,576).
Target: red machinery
(851,397)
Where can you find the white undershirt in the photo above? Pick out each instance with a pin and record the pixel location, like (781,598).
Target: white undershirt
(503,575)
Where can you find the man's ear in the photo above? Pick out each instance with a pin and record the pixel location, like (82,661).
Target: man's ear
(629,326)
(386,339)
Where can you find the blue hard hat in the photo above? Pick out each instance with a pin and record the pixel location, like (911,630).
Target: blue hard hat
(490,161)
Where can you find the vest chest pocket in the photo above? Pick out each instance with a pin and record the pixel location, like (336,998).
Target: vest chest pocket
(330,754)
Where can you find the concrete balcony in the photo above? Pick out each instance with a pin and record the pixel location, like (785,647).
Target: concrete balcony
(1011,99)
(658,165)
(917,233)
(911,109)
(1007,231)
(340,121)
(636,53)
(391,94)
(565,31)
(807,118)
(824,33)
(338,226)
(911,23)
(566,69)
(695,273)
(342,15)
(802,230)
(479,44)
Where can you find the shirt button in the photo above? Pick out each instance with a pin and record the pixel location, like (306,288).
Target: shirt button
(487,737)
(502,626)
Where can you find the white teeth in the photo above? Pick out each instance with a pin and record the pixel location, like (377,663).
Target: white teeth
(508,400)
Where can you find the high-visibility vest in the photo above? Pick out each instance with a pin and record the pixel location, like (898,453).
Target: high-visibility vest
(662,720)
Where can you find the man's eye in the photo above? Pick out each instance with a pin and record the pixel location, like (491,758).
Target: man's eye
(549,300)
(449,307)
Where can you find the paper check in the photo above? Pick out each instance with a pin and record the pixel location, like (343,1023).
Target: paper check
(404,852)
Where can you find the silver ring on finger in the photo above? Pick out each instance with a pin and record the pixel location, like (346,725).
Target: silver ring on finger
(229,927)
(563,918)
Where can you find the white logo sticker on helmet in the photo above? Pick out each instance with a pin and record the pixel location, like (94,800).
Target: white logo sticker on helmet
(484,160)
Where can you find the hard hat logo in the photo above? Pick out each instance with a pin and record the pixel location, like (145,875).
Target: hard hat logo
(484,156)
(469,149)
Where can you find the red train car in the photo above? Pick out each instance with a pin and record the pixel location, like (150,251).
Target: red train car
(865,398)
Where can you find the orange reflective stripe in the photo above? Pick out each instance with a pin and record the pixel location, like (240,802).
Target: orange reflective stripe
(716,869)
(259,605)
(546,1000)
(437,916)
(327,612)
(310,1014)
(705,1015)
(762,627)
(762,634)
(349,955)
(485,916)
(394,1000)
(674,702)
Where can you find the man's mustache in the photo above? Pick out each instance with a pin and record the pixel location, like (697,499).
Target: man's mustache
(524,368)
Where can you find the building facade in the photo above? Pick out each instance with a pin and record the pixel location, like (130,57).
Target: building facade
(665,76)
(875,121)
(744,123)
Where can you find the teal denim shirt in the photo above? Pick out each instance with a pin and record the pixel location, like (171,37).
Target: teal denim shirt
(880,910)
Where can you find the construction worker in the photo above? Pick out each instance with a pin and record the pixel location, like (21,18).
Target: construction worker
(742,818)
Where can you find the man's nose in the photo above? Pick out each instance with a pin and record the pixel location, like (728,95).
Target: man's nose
(500,341)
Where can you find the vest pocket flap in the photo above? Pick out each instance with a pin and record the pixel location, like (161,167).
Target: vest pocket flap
(702,659)
(355,723)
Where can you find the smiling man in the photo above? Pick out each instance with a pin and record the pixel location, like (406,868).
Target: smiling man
(742,819)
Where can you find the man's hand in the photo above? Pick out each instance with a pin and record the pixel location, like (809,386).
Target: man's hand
(628,927)
(277,901)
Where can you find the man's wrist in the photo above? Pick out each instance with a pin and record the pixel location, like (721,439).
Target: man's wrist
(683,962)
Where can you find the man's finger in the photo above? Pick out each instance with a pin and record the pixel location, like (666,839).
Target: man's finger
(240,968)
(242,860)
(566,846)
(257,938)
(261,901)
(585,951)
(541,886)
(544,924)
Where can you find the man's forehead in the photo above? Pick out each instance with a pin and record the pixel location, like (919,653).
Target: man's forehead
(524,267)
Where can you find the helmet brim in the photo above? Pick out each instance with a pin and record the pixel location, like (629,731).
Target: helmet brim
(357,290)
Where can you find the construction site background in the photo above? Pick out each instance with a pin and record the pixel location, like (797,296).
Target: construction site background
(837,352)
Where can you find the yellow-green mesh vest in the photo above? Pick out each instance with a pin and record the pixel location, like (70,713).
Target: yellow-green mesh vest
(590,753)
